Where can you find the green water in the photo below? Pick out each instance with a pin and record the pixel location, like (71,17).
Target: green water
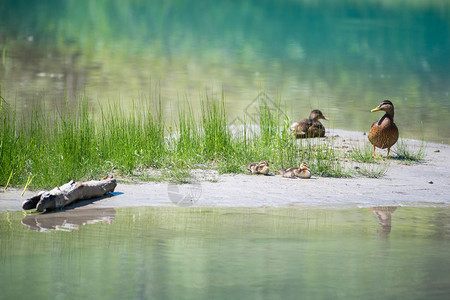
(342,57)
(201,253)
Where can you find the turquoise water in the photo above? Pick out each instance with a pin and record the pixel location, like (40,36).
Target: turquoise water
(201,253)
(342,57)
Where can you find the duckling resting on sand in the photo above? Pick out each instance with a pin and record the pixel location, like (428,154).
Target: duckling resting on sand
(310,127)
(261,167)
(384,133)
(302,172)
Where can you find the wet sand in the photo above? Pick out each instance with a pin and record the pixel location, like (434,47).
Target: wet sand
(420,184)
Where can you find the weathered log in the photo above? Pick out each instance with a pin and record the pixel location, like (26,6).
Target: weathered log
(68,193)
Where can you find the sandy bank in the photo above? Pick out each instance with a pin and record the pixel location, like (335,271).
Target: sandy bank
(421,184)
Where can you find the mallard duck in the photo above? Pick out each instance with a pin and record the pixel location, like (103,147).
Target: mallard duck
(302,172)
(384,133)
(310,127)
(261,167)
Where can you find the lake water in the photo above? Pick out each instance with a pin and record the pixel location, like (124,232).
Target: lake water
(342,57)
(213,253)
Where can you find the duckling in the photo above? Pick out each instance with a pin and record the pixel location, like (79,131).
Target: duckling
(384,133)
(261,167)
(310,127)
(302,172)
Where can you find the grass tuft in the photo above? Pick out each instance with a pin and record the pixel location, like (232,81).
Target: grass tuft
(403,152)
(178,175)
(363,154)
(372,171)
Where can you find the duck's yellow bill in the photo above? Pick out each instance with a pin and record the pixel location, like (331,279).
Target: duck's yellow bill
(376,109)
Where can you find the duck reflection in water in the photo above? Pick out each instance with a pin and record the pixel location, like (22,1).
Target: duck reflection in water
(384,214)
(68,220)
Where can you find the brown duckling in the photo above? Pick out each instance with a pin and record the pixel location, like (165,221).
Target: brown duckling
(302,172)
(261,167)
(310,127)
(384,133)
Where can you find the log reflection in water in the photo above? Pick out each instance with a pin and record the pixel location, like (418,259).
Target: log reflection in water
(68,220)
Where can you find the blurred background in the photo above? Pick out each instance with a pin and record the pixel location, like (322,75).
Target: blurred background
(343,57)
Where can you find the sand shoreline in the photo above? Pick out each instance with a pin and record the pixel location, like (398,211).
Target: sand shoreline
(421,184)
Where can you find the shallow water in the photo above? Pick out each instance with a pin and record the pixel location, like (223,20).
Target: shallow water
(342,57)
(202,253)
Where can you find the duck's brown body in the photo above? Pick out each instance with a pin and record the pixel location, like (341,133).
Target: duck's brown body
(261,167)
(310,127)
(302,172)
(384,133)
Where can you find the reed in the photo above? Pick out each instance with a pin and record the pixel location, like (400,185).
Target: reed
(74,143)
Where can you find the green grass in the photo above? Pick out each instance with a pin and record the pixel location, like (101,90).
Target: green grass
(371,171)
(404,153)
(178,175)
(401,151)
(363,154)
(73,143)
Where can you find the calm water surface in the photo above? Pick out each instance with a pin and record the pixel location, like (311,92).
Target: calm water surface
(194,253)
(343,57)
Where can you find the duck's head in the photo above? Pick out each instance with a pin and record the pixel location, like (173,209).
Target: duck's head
(316,115)
(386,106)
(304,166)
(263,167)
(264,163)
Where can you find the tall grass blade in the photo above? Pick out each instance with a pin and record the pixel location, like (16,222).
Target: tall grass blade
(9,178)
(30,178)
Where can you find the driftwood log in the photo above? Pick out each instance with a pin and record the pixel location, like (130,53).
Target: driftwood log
(70,192)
